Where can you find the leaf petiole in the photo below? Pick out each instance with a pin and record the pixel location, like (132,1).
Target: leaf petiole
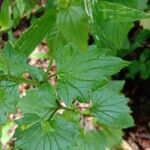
(20,80)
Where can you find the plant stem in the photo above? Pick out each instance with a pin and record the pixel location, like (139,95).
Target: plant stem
(48,69)
(20,80)
(49,66)
(53,114)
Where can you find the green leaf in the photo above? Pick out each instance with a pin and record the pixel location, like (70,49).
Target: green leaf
(111,34)
(41,101)
(77,72)
(27,120)
(140,39)
(144,70)
(20,6)
(142,5)
(35,34)
(38,55)
(145,55)
(54,135)
(5,15)
(73,24)
(90,140)
(18,10)
(133,69)
(98,140)
(113,136)
(100,84)
(110,107)
(36,73)
(128,3)
(55,39)
(6,136)
(11,62)
(9,94)
(142,65)
(113,12)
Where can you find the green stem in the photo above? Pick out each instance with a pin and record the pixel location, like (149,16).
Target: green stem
(69,109)
(20,80)
(48,69)
(49,66)
(51,116)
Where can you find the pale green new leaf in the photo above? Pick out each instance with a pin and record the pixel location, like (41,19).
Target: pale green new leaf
(5,15)
(72,22)
(77,72)
(5,133)
(111,34)
(18,11)
(41,101)
(110,107)
(56,134)
(35,34)
(114,12)
(128,3)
